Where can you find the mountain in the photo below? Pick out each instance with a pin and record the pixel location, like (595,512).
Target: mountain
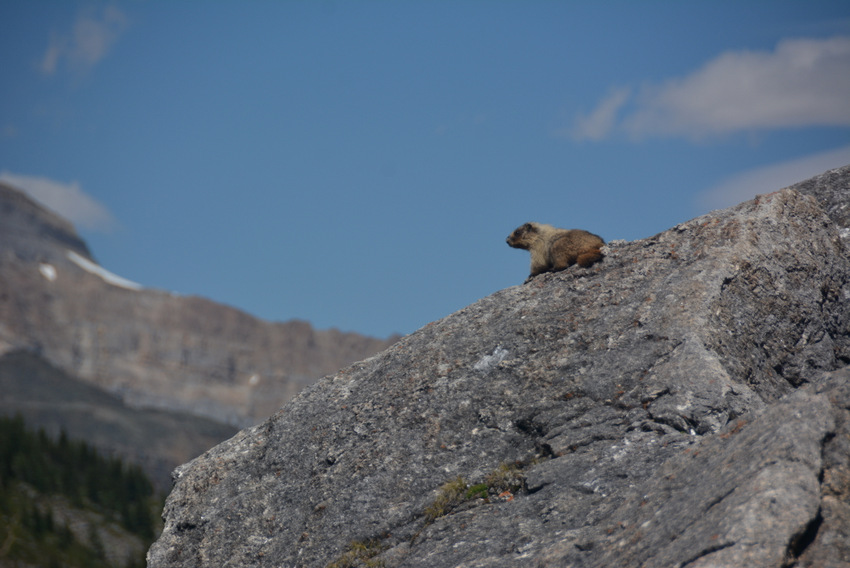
(50,398)
(30,232)
(199,364)
(62,503)
(153,348)
(685,402)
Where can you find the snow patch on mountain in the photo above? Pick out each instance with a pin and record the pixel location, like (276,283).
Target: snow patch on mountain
(48,271)
(101,272)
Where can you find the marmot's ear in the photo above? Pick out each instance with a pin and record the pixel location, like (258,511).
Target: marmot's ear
(526,227)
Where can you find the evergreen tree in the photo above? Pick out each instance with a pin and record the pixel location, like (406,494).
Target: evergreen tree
(76,471)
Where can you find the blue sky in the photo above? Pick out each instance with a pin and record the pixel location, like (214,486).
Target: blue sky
(359,164)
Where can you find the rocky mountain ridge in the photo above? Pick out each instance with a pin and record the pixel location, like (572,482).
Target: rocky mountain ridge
(154,377)
(151,348)
(685,402)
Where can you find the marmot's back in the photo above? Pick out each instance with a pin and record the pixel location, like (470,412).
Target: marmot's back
(554,249)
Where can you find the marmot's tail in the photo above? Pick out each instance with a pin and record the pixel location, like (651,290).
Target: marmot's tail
(586,259)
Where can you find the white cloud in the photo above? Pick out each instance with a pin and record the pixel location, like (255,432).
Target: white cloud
(596,125)
(747,185)
(803,82)
(66,199)
(90,40)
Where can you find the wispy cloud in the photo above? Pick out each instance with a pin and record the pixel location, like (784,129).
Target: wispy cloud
(86,44)
(66,199)
(803,82)
(596,125)
(746,185)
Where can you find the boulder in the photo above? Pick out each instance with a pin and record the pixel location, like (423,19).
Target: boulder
(682,403)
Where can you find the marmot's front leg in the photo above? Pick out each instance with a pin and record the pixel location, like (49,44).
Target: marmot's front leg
(537,271)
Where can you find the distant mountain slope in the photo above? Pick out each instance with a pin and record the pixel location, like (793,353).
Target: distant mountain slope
(32,231)
(151,348)
(49,398)
(63,503)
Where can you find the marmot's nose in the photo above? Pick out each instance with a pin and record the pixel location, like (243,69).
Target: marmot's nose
(508,240)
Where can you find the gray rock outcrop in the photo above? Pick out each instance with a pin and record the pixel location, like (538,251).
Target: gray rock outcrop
(685,402)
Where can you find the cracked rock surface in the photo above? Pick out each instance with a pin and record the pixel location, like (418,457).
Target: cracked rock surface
(685,402)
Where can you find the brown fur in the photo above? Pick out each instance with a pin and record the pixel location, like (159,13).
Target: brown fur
(554,249)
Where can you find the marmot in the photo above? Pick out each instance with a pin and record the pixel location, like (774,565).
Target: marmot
(554,249)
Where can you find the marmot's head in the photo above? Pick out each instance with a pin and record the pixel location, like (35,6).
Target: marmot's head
(523,236)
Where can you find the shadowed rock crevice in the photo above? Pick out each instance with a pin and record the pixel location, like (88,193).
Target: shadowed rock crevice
(673,404)
(801,541)
(707,552)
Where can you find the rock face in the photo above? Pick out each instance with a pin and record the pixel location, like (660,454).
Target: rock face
(833,193)
(33,232)
(685,402)
(152,348)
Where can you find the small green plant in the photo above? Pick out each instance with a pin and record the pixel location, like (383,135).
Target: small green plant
(507,477)
(449,496)
(360,554)
(477,491)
